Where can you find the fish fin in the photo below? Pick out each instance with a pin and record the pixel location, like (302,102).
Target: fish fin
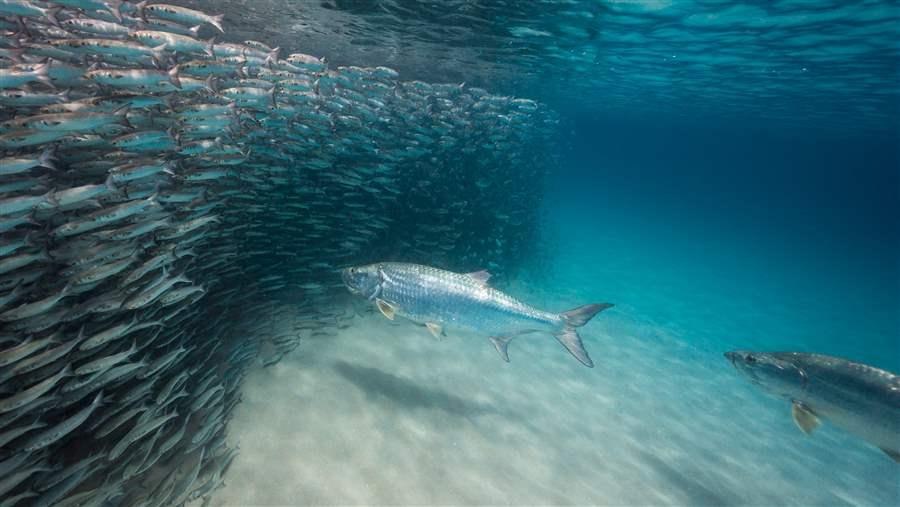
(894,455)
(436,330)
(122,113)
(111,184)
(572,342)
(580,316)
(804,418)
(51,16)
(159,54)
(273,56)
(216,21)
(50,198)
(46,159)
(210,84)
(173,75)
(139,7)
(481,276)
(42,74)
(501,343)
(568,335)
(386,308)
(115,8)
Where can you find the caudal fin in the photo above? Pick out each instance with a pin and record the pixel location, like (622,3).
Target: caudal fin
(568,336)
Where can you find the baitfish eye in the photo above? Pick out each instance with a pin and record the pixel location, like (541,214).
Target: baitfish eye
(751,359)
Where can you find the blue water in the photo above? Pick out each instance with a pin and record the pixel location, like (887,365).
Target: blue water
(727,175)
(747,238)
(712,240)
(707,240)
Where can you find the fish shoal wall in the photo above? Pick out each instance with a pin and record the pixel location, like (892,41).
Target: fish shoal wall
(166,201)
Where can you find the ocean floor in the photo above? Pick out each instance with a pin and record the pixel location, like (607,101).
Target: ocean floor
(383,414)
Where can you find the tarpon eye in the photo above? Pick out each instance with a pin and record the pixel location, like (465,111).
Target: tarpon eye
(751,359)
(352,271)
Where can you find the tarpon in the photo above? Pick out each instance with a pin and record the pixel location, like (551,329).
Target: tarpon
(860,399)
(438,299)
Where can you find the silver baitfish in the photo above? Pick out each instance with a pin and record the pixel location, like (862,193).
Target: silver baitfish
(166,200)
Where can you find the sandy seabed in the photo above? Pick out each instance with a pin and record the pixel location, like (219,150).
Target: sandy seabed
(385,414)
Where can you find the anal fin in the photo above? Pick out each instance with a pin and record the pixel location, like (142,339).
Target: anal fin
(386,308)
(501,343)
(804,418)
(436,329)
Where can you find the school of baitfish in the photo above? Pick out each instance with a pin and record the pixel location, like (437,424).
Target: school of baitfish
(164,194)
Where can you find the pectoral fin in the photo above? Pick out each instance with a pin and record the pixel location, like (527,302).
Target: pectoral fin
(894,455)
(435,329)
(804,418)
(386,308)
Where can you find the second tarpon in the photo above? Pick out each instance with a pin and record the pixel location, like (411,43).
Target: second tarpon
(858,398)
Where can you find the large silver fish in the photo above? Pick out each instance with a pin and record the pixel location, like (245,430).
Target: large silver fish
(439,299)
(858,398)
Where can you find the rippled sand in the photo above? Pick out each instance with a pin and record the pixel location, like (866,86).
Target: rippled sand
(383,414)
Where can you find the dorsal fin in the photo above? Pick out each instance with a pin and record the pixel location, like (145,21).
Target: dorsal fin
(481,276)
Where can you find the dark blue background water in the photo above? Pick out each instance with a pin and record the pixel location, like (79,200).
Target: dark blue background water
(791,235)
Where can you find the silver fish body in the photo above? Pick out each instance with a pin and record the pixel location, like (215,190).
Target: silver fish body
(439,299)
(858,398)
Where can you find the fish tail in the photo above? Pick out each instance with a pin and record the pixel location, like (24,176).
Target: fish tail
(572,320)
(42,74)
(210,47)
(51,16)
(115,8)
(216,21)
(173,76)
(140,7)
(122,113)
(46,159)
(272,56)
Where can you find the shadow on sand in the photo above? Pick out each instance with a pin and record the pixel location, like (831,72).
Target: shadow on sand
(404,392)
(695,491)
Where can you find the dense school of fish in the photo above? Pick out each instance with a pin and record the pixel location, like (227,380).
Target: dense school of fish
(162,194)
(790,62)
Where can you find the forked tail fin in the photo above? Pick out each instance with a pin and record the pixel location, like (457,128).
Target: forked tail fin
(568,336)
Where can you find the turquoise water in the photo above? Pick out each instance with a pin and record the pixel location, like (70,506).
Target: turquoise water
(184,192)
(393,416)
(382,413)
